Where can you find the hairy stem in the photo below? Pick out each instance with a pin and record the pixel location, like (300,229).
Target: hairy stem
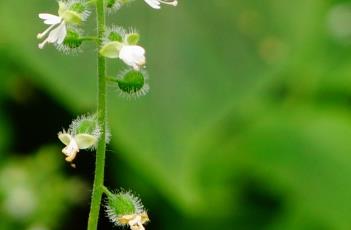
(101,147)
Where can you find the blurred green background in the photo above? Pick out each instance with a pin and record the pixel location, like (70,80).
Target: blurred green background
(247,125)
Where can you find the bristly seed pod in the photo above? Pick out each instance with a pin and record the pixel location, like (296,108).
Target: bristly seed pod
(72,42)
(115,5)
(114,34)
(132,83)
(124,208)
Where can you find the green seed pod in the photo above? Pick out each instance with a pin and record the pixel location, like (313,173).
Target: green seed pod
(114,34)
(73,11)
(132,38)
(115,5)
(132,83)
(85,125)
(72,42)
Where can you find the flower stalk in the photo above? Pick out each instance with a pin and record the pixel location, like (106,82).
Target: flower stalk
(101,113)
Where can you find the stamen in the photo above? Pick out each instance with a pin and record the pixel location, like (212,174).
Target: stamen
(71,157)
(71,150)
(41,45)
(173,3)
(41,35)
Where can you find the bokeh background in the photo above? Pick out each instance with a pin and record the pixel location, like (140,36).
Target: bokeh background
(247,125)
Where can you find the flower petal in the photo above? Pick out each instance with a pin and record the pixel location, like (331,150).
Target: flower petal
(133,56)
(62,33)
(65,138)
(85,141)
(153,3)
(50,19)
(58,34)
(111,49)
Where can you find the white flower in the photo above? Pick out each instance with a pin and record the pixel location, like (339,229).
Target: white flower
(136,224)
(75,143)
(56,35)
(67,15)
(135,221)
(132,55)
(156,4)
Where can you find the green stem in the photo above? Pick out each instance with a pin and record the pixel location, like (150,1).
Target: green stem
(106,191)
(88,38)
(111,79)
(101,147)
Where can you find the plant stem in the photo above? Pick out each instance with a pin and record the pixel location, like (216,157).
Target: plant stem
(101,110)
(88,38)
(106,191)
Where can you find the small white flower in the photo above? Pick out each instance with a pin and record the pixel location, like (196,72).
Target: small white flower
(133,56)
(135,221)
(75,143)
(57,35)
(58,24)
(156,4)
(117,43)
(136,224)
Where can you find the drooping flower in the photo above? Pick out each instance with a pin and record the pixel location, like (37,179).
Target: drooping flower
(72,12)
(156,4)
(74,143)
(83,133)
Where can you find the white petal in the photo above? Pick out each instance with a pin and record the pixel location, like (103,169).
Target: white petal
(71,150)
(85,141)
(153,3)
(50,19)
(58,34)
(62,33)
(133,56)
(65,138)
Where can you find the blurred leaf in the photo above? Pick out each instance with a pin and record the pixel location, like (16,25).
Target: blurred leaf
(33,191)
